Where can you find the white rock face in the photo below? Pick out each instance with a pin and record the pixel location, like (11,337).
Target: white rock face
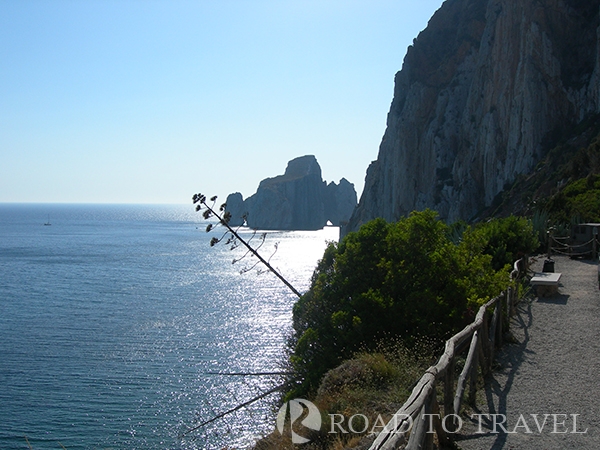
(482,94)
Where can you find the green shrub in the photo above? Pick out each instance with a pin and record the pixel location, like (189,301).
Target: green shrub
(405,279)
(506,240)
(580,198)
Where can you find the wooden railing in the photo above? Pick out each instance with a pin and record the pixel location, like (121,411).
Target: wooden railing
(413,420)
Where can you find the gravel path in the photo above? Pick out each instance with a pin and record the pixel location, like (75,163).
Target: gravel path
(552,369)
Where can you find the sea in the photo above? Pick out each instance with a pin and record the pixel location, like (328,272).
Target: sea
(122,328)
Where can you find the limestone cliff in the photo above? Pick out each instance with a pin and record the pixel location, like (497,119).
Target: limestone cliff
(297,200)
(481,96)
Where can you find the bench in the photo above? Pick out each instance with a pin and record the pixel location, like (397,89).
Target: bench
(546,283)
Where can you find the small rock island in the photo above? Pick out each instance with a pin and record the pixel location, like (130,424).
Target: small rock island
(297,200)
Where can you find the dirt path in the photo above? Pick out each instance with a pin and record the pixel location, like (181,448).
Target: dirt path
(552,370)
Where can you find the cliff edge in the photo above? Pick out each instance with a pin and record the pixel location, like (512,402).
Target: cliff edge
(481,97)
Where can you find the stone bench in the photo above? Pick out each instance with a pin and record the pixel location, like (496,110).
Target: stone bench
(546,283)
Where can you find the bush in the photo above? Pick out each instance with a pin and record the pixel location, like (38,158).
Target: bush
(579,198)
(406,279)
(370,385)
(506,240)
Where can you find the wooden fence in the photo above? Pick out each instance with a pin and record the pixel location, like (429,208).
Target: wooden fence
(422,409)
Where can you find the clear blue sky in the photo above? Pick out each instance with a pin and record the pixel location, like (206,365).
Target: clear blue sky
(151,101)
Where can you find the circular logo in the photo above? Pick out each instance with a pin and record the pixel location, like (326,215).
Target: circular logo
(311,421)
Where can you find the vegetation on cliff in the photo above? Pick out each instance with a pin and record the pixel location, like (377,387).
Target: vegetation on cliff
(564,188)
(402,280)
(381,303)
(485,91)
(579,199)
(370,386)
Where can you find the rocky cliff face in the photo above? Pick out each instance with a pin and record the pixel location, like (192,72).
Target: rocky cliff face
(297,200)
(340,201)
(481,96)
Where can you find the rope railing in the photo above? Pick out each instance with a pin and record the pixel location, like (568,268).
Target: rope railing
(422,410)
(571,249)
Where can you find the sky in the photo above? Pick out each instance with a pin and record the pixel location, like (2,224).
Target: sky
(152,101)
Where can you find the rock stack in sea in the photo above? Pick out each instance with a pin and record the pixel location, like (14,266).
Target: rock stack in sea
(297,200)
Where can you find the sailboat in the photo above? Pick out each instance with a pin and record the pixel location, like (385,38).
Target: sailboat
(48,223)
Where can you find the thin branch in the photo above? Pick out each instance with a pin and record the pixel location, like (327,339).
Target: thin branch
(244,374)
(274,251)
(249,269)
(238,407)
(223,221)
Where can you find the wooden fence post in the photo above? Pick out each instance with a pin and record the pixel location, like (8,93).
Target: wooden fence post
(420,437)
(499,329)
(485,344)
(449,390)
(464,375)
(472,398)
(492,335)
(443,438)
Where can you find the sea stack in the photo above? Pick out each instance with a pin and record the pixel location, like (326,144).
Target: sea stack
(297,200)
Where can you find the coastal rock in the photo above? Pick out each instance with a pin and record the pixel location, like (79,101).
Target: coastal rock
(297,200)
(484,92)
(340,201)
(235,206)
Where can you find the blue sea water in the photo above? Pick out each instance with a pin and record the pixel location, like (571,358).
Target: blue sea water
(119,325)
